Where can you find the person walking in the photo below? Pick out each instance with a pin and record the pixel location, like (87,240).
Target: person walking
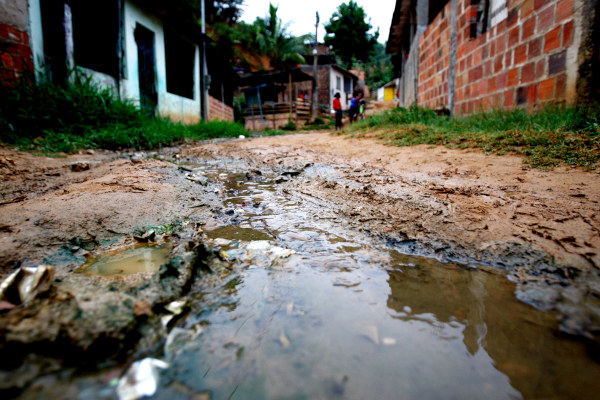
(337,107)
(353,108)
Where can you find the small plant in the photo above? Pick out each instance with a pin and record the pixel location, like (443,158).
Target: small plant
(290,126)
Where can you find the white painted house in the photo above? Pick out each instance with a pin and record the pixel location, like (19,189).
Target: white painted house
(143,49)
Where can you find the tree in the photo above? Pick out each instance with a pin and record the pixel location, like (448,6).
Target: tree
(348,34)
(266,44)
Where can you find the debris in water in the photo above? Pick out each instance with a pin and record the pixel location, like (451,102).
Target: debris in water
(178,338)
(147,236)
(26,284)
(285,342)
(388,341)
(176,307)
(222,242)
(141,379)
(372,333)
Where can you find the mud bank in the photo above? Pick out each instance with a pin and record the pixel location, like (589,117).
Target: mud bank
(541,228)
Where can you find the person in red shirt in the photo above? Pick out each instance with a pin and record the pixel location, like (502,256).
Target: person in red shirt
(337,106)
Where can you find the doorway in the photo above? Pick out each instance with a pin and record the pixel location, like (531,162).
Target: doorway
(144,39)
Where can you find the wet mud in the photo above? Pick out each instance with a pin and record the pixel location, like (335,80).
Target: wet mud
(292,270)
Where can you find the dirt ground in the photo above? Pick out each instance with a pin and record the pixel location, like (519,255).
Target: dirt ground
(455,205)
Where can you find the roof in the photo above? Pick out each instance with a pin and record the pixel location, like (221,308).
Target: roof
(400,21)
(259,78)
(344,71)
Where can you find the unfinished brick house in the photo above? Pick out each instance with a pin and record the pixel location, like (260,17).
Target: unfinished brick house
(472,55)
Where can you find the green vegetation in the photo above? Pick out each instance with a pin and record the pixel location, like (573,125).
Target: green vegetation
(51,118)
(348,34)
(547,138)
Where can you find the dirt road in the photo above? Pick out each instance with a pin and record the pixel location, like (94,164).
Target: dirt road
(454,205)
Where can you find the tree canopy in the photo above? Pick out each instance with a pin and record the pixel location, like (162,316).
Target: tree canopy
(348,34)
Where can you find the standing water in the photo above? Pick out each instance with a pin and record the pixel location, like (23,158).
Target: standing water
(318,311)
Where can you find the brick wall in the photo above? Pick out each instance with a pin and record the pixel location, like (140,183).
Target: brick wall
(434,59)
(522,61)
(15,54)
(218,110)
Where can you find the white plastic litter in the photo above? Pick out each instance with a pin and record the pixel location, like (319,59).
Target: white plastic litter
(141,379)
(26,283)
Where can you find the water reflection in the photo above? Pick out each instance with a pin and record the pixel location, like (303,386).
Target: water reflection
(518,341)
(342,318)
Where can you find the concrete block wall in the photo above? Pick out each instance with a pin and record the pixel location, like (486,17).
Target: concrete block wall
(218,110)
(528,59)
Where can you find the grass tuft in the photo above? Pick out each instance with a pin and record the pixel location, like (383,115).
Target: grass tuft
(80,114)
(546,138)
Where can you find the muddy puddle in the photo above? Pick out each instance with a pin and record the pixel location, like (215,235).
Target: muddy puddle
(316,311)
(139,259)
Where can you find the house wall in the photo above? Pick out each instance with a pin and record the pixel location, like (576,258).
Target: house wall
(527,59)
(172,106)
(218,110)
(16,57)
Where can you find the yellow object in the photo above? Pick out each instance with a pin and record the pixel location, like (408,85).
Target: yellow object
(388,94)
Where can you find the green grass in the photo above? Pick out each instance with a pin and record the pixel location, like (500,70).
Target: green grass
(546,138)
(51,118)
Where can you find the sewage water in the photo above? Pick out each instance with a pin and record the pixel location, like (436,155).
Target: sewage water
(129,261)
(319,311)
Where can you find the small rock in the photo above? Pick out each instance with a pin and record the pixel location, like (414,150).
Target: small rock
(90,151)
(79,167)
(141,308)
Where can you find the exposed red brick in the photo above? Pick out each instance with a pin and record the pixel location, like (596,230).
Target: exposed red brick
(532,92)
(540,3)
(509,98)
(520,54)
(508,59)
(513,77)
(528,73)
(491,86)
(527,8)
(564,10)
(534,48)
(498,64)
(502,80)
(513,36)
(476,73)
(477,56)
(545,20)
(552,40)
(528,28)
(7,61)
(546,90)
(568,34)
(501,44)
(540,69)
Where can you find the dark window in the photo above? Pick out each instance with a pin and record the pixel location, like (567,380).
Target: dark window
(180,56)
(96,27)
(480,24)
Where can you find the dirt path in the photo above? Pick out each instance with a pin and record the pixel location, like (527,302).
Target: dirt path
(477,206)
(454,205)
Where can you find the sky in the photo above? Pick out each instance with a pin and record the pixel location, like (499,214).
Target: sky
(300,14)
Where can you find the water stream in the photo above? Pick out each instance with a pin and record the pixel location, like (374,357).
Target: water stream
(319,311)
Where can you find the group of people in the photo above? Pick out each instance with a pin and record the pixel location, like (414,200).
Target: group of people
(356,110)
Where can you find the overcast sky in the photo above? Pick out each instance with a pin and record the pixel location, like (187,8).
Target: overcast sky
(300,14)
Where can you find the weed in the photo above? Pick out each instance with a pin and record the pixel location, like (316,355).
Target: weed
(546,138)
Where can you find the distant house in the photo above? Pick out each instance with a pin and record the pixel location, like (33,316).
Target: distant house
(471,55)
(273,98)
(388,92)
(332,79)
(142,49)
